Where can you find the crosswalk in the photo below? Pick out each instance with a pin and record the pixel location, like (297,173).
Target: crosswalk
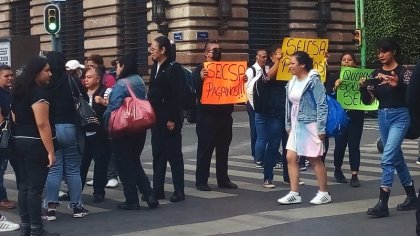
(242,171)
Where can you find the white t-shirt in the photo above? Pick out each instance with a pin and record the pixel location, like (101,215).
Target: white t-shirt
(252,79)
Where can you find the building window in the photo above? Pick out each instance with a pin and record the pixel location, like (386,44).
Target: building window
(20,18)
(132,25)
(268,24)
(72,30)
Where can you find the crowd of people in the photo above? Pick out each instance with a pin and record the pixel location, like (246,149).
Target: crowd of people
(287,127)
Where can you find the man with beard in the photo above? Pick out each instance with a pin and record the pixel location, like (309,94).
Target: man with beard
(214,129)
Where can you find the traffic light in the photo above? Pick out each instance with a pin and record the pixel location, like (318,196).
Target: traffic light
(52,19)
(357,39)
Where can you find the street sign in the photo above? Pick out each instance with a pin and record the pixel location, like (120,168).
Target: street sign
(178,36)
(202,35)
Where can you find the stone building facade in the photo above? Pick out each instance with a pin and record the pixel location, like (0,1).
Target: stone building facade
(112,27)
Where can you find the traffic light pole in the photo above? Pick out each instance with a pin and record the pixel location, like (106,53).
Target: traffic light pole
(362,27)
(56,42)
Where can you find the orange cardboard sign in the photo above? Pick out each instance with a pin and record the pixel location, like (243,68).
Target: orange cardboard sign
(224,83)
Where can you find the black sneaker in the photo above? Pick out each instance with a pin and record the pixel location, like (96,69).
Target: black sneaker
(259,165)
(98,198)
(354,182)
(339,176)
(50,215)
(79,212)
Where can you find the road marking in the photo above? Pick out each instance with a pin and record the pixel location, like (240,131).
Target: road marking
(259,220)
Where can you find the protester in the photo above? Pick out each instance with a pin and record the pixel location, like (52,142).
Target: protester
(306,115)
(253,73)
(388,84)
(413,103)
(214,129)
(128,148)
(33,135)
(165,93)
(269,105)
(97,145)
(351,135)
(6,78)
(70,139)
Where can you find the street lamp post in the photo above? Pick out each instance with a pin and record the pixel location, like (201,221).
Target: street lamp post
(225,13)
(159,16)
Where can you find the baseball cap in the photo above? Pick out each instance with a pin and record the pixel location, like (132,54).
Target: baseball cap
(74,64)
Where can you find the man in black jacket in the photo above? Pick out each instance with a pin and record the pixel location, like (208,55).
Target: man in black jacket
(214,129)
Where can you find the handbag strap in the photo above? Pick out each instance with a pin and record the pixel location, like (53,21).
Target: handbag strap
(71,79)
(129,89)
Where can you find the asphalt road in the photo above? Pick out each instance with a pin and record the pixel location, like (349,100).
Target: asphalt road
(251,209)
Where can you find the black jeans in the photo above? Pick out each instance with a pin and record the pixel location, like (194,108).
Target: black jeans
(167,147)
(96,148)
(351,137)
(32,160)
(128,150)
(213,132)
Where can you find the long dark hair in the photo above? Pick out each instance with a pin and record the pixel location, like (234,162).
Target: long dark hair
(129,61)
(351,54)
(304,59)
(164,42)
(23,83)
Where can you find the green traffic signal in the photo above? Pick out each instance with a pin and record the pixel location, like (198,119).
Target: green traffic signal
(52,21)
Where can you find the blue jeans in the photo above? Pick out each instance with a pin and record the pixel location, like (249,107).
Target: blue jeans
(67,161)
(269,134)
(393,125)
(252,129)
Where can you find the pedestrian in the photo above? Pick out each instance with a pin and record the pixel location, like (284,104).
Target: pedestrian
(254,73)
(33,134)
(388,84)
(128,148)
(165,94)
(351,135)
(6,78)
(108,80)
(70,140)
(214,128)
(306,116)
(269,105)
(97,146)
(413,103)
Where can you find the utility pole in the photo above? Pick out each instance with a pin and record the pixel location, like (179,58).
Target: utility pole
(359,9)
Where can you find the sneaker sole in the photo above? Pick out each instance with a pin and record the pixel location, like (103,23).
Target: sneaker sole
(80,215)
(320,203)
(289,203)
(269,186)
(418,162)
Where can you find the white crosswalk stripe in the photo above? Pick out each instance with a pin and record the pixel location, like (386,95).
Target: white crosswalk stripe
(242,171)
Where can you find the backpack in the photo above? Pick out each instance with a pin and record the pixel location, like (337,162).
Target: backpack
(189,97)
(337,119)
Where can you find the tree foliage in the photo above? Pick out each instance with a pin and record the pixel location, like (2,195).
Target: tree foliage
(393,18)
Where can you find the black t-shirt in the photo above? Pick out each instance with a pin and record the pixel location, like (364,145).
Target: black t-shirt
(5,101)
(25,123)
(387,95)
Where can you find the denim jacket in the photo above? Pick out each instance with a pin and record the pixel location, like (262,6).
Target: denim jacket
(120,91)
(313,104)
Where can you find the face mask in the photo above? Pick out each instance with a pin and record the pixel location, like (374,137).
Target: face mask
(217,54)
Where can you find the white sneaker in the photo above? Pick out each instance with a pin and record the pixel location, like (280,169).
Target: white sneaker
(269,184)
(90,183)
(112,183)
(7,226)
(290,198)
(321,198)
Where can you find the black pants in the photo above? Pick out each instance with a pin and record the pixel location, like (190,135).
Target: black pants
(96,148)
(167,147)
(213,132)
(32,160)
(128,150)
(350,137)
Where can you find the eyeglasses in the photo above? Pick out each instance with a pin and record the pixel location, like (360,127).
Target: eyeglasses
(151,49)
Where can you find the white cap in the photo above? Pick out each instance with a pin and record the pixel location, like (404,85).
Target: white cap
(74,64)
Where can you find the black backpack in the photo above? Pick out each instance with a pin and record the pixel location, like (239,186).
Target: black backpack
(189,97)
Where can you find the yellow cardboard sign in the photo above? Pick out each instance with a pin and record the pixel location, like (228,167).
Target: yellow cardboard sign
(316,48)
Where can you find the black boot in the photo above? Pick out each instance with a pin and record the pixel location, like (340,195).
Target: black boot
(39,230)
(381,208)
(410,202)
(25,229)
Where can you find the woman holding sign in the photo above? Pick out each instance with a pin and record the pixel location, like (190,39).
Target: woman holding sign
(306,116)
(353,133)
(388,84)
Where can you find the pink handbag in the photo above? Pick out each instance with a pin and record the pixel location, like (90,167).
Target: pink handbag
(133,116)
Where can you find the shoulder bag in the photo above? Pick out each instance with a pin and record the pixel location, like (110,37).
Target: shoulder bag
(6,133)
(133,116)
